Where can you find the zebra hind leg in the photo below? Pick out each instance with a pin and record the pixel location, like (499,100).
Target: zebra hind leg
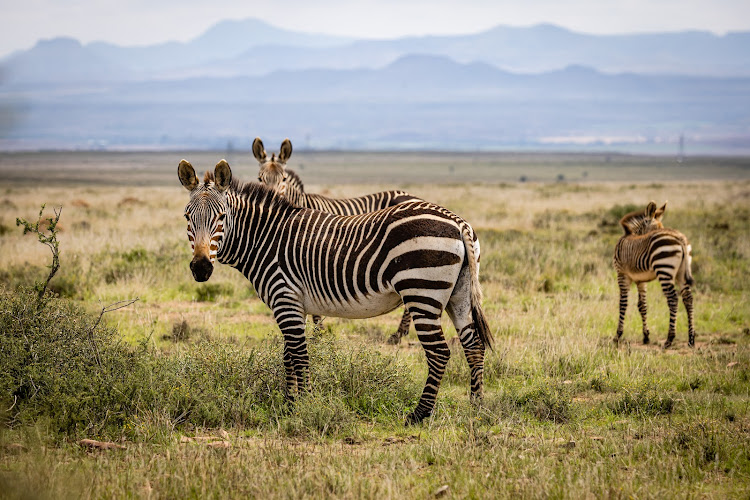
(430,334)
(643,309)
(317,321)
(687,299)
(624,284)
(672,301)
(460,311)
(403,329)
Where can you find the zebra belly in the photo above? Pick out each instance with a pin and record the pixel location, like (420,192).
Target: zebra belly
(367,307)
(641,276)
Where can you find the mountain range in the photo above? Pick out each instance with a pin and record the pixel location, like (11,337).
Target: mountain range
(528,87)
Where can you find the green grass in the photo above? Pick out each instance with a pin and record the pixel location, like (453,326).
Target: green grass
(567,413)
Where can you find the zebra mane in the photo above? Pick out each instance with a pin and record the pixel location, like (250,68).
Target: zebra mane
(636,222)
(294,179)
(252,191)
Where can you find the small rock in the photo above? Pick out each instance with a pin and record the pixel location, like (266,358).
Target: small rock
(442,491)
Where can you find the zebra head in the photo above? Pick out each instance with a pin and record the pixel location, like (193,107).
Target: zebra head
(205,214)
(272,171)
(644,221)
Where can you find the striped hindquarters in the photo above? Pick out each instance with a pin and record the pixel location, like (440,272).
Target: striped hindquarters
(662,254)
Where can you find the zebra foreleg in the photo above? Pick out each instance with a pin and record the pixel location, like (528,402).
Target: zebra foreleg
(403,329)
(643,309)
(687,299)
(672,301)
(430,335)
(291,321)
(291,377)
(624,284)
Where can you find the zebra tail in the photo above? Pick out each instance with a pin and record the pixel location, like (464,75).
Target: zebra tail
(686,259)
(477,313)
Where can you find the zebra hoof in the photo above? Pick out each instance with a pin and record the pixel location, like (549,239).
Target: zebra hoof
(414,419)
(394,339)
(667,344)
(691,343)
(646,341)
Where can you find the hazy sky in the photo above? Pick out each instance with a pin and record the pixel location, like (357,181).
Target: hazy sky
(141,22)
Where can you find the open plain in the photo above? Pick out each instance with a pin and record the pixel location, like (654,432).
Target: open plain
(195,406)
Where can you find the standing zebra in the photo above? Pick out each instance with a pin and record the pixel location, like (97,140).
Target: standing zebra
(649,251)
(274,174)
(304,261)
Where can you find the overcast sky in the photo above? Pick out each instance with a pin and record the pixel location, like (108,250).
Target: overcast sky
(142,22)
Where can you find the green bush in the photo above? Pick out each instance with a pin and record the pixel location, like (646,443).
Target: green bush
(55,365)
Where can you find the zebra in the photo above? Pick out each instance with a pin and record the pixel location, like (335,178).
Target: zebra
(274,174)
(649,251)
(304,261)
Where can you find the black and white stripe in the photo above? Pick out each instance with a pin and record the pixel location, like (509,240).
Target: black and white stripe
(649,251)
(304,261)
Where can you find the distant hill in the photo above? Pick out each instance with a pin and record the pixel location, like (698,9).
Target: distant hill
(418,101)
(252,48)
(541,86)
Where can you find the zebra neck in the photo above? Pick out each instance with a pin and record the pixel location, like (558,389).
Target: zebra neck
(296,197)
(251,234)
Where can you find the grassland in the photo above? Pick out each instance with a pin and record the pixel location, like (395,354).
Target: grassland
(567,414)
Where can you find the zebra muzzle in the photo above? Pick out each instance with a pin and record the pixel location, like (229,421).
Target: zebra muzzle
(201,268)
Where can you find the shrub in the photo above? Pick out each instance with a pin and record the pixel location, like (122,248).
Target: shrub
(644,401)
(545,403)
(54,363)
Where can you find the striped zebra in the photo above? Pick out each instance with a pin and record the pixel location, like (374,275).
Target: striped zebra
(274,174)
(649,251)
(304,261)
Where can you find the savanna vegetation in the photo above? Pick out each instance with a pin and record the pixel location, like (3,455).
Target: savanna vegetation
(184,387)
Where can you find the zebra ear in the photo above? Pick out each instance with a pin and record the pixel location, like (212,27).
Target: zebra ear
(651,210)
(222,175)
(259,152)
(286,150)
(186,173)
(660,211)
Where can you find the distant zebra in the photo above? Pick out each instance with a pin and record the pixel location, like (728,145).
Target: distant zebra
(274,174)
(649,251)
(303,261)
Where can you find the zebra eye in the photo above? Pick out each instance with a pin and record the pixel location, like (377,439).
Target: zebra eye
(187,217)
(221,216)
